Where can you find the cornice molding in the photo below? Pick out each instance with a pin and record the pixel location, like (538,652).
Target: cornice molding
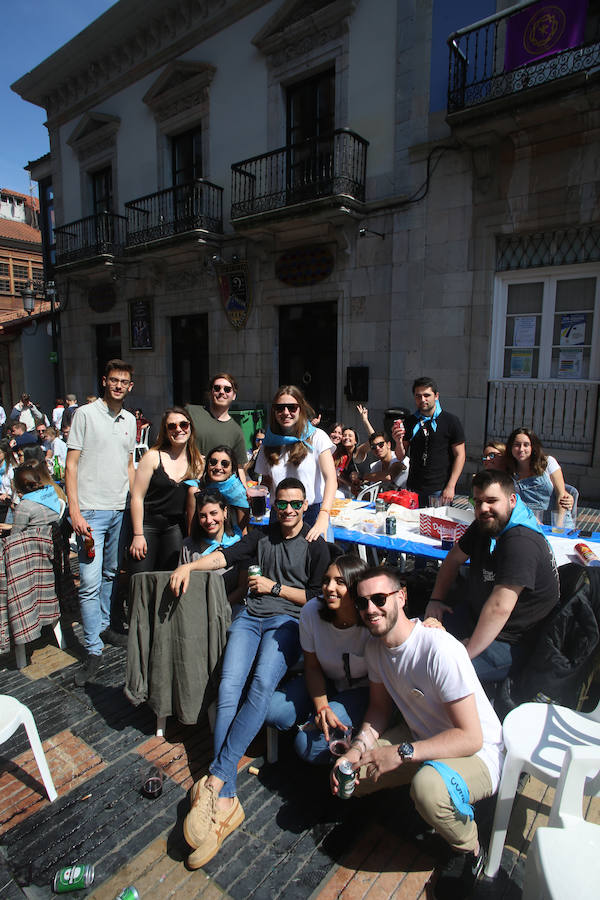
(181,86)
(301,24)
(94,133)
(96,64)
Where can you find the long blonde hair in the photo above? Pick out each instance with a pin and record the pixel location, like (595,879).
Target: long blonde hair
(194,457)
(298,451)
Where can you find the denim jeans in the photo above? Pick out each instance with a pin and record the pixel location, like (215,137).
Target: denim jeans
(260,648)
(497,660)
(97,576)
(292,705)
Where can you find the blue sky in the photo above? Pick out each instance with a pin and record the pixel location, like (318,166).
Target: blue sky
(33,30)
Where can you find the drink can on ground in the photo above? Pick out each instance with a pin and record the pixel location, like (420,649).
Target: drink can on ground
(129,893)
(73,878)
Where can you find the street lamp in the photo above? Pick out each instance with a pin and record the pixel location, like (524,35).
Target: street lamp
(49,292)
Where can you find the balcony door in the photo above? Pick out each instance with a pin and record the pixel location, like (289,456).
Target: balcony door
(186,165)
(102,204)
(308,353)
(189,346)
(108,346)
(310,125)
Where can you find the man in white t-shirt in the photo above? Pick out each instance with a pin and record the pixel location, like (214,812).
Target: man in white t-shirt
(428,676)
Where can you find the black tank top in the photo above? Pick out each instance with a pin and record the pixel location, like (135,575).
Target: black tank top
(164,496)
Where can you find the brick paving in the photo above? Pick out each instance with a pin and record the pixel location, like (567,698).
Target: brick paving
(296,839)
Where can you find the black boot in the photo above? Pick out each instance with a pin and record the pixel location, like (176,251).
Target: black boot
(88,669)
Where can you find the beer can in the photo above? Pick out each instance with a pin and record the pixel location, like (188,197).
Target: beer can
(379,505)
(73,878)
(390,525)
(129,893)
(346,779)
(254,570)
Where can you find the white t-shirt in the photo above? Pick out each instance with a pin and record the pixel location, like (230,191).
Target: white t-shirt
(552,465)
(309,471)
(376,466)
(431,668)
(332,644)
(59,448)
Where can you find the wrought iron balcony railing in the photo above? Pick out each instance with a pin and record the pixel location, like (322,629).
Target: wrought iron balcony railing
(517,49)
(176,210)
(99,235)
(325,166)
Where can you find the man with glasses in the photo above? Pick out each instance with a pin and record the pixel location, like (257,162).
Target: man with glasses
(263,643)
(386,466)
(214,426)
(99,473)
(435,441)
(449,747)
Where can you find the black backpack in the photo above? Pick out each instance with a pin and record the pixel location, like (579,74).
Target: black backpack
(565,650)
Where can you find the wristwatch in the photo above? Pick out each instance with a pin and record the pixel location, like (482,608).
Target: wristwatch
(406,751)
(276,589)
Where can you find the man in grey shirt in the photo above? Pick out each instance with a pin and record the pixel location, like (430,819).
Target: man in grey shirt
(99,473)
(214,426)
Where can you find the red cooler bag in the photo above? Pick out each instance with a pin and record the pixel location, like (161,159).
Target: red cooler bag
(403,498)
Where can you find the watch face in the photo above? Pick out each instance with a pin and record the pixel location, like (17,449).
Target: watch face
(406,750)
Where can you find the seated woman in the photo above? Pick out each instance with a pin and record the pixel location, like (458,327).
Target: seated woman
(494,455)
(221,473)
(257,442)
(333,692)
(538,478)
(39,504)
(212,528)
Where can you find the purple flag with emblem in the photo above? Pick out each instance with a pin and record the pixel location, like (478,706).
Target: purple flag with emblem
(544,29)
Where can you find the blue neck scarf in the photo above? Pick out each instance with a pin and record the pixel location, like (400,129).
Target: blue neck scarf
(3,467)
(424,419)
(226,541)
(231,489)
(45,496)
(456,787)
(521,515)
(284,440)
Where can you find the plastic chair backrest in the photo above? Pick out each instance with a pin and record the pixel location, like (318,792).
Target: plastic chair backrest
(369,492)
(575,495)
(579,764)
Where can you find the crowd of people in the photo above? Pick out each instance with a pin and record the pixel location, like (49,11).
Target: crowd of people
(365,661)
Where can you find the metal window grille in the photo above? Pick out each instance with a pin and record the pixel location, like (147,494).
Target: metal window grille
(562,247)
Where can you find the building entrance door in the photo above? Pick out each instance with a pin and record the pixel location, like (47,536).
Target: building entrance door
(189,344)
(308,353)
(108,346)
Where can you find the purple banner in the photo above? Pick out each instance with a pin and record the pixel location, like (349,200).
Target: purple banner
(544,29)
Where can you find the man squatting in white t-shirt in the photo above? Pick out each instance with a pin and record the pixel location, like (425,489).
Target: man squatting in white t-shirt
(429,677)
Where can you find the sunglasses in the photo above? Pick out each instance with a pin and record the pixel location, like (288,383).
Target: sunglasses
(377,445)
(378,600)
(226,388)
(224,463)
(283,504)
(490,456)
(182,426)
(281,407)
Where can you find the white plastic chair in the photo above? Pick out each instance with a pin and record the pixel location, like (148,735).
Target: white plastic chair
(141,446)
(14,713)
(563,857)
(369,492)
(537,736)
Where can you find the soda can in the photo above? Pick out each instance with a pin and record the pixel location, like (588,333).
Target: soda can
(346,779)
(379,505)
(390,525)
(254,570)
(73,878)
(129,893)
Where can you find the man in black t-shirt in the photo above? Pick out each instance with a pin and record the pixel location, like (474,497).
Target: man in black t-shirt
(263,641)
(435,442)
(512,584)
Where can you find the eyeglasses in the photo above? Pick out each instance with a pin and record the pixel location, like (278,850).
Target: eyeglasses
(226,388)
(490,456)
(125,382)
(281,407)
(378,600)
(224,463)
(258,440)
(377,445)
(183,426)
(283,504)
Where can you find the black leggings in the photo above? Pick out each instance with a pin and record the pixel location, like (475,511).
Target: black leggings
(163,548)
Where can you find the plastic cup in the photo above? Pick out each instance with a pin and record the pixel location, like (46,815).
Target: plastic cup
(152,784)
(557,519)
(448,534)
(435,502)
(339,741)
(258,500)
(538,512)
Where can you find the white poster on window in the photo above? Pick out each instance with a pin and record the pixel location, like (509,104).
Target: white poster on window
(570,364)
(521,363)
(572,330)
(524,335)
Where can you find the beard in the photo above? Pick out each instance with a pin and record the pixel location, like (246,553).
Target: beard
(493,526)
(385,625)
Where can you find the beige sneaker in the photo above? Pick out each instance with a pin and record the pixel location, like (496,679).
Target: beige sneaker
(198,821)
(223,823)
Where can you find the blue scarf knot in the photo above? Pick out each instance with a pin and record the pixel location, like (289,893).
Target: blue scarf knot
(45,496)
(281,440)
(521,515)
(226,541)
(424,419)
(456,786)
(232,490)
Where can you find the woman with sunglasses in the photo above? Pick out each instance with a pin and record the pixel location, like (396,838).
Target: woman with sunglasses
(158,498)
(221,472)
(494,455)
(333,693)
(294,448)
(257,442)
(538,478)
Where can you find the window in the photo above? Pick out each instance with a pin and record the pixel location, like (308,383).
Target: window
(102,193)
(4,277)
(310,126)
(186,156)
(547,324)
(21,277)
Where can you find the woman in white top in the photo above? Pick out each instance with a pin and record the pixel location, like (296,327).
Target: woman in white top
(294,447)
(334,691)
(538,478)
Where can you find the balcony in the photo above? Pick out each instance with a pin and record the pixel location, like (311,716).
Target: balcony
(519,50)
(99,237)
(319,170)
(178,210)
